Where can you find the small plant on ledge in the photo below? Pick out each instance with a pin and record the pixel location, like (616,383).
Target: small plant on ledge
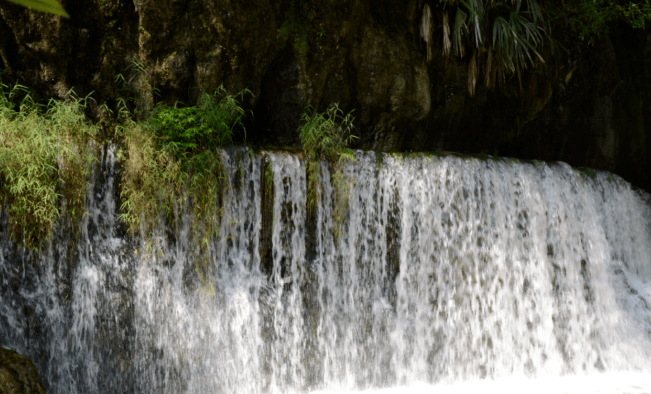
(46,158)
(172,160)
(326,136)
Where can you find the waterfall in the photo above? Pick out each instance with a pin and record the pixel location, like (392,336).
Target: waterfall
(447,272)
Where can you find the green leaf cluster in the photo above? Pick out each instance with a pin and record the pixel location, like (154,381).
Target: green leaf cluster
(500,37)
(138,92)
(173,164)
(592,19)
(46,158)
(209,125)
(325,137)
(49,6)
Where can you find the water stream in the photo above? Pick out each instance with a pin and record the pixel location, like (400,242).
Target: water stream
(448,274)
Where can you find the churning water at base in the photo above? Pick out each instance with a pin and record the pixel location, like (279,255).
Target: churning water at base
(602,383)
(448,275)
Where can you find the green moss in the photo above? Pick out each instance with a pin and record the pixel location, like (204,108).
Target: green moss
(398,156)
(269,180)
(379,160)
(589,172)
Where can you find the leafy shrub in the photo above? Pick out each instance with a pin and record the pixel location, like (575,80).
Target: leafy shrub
(172,161)
(592,19)
(151,179)
(505,38)
(43,157)
(208,126)
(325,136)
(138,92)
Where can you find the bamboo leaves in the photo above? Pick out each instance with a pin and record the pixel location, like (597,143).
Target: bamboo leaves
(325,137)
(43,157)
(172,162)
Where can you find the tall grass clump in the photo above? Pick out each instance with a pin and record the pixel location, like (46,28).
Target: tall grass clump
(46,158)
(172,160)
(137,92)
(325,137)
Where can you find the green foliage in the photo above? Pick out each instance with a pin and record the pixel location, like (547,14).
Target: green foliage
(158,183)
(45,156)
(325,136)
(138,92)
(341,185)
(49,6)
(268,190)
(175,153)
(151,178)
(591,19)
(172,160)
(505,37)
(516,40)
(207,126)
(269,179)
(587,171)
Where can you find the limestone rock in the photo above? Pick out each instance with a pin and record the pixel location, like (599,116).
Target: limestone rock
(18,375)
(587,107)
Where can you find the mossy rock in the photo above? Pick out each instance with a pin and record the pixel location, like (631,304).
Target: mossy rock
(18,375)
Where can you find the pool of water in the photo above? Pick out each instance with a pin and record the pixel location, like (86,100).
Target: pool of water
(604,383)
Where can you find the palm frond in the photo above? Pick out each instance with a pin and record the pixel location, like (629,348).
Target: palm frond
(488,75)
(426,30)
(458,31)
(473,72)
(447,45)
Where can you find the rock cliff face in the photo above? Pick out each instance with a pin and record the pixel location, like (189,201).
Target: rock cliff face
(18,375)
(589,106)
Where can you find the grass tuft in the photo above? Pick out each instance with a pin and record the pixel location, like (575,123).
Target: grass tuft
(325,136)
(172,162)
(46,158)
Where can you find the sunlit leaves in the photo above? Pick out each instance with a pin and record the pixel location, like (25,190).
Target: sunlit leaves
(172,162)
(49,6)
(43,156)
(325,136)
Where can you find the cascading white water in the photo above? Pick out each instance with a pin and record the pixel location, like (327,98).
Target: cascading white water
(458,273)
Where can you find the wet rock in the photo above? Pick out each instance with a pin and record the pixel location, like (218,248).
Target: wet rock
(586,106)
(18,375)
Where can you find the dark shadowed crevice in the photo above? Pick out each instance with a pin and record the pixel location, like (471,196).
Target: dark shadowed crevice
(280,106)
(7,46)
